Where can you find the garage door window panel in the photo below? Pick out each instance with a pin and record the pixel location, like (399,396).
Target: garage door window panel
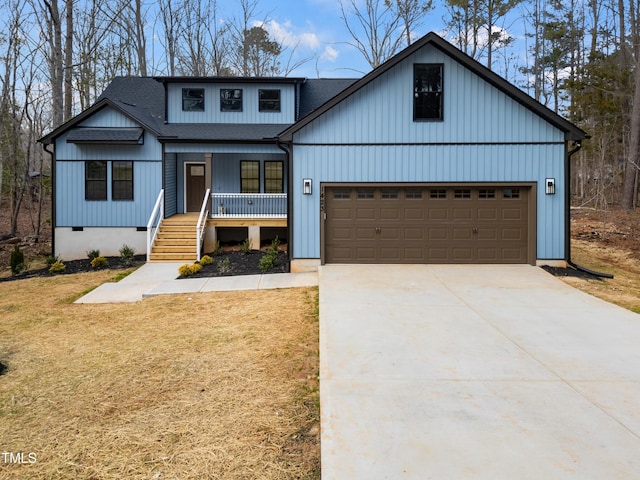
(484,194)
(511,193)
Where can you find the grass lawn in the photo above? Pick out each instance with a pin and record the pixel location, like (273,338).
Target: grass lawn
(623,289)
(219,385)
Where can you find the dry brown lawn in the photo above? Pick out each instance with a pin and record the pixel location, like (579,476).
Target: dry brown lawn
(624,288)
(203,386)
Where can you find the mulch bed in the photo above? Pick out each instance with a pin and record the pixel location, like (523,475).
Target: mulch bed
(76,266)
(227,263)
(569,272)
(233,262)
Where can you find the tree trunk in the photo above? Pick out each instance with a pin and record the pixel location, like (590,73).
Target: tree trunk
(629,192)
(68,63)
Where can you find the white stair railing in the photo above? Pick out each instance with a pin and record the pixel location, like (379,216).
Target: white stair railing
(155,220)
(202,223)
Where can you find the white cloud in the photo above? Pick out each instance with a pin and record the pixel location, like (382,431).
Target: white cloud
(330,54)
(285,34)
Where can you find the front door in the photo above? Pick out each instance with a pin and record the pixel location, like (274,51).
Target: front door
(195,186)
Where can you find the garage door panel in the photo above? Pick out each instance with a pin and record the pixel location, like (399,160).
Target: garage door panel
(512,234)
(390,253)
(399,224)
(462,214)
(435,233)
(488,233)
(366,253)
(342,213)
(436,213)
(390,214)
(343,233)
(487,214)
(390,233)
(438,255)
(488,255)
(462,255)
(414,214)
(464,233)
(365,234)
(512,214)
(414,234)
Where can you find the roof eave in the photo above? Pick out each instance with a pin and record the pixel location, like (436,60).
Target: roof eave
(96,107)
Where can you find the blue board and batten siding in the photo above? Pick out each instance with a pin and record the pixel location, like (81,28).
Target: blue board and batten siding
(71,207)
(250,112)
(485,136)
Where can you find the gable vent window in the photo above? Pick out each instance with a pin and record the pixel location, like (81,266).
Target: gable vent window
(193,99)
(230,100)
(269,100)
(427,92)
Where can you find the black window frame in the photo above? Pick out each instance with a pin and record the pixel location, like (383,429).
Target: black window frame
(245,179)
(230,103)
(263,103)
(95,187)
(117,183)
(268,178)
(428,95)
(193,103)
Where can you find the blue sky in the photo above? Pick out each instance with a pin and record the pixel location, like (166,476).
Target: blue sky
(316,27)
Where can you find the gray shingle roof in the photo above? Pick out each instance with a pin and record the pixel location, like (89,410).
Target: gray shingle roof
(143,100)
(105,135)
(220,132)
(316,92)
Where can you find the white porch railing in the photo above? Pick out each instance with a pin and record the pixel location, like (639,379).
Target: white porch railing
(249,205)
(155,220)
(202,223)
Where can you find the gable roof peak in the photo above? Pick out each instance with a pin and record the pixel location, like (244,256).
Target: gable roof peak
(572,132)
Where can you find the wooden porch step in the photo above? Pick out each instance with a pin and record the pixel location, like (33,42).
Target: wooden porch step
(176,240)
(172,257)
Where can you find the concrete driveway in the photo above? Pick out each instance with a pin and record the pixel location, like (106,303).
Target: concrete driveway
(474,372)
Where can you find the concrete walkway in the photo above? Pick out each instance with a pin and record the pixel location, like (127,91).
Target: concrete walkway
(160,278)
(474,372)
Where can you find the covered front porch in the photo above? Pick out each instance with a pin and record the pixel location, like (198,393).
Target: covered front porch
(252,184)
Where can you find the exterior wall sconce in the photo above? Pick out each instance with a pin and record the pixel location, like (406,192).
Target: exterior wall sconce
(550,186)
(306,186)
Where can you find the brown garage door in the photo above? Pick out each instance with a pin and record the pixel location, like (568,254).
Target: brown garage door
(430,224)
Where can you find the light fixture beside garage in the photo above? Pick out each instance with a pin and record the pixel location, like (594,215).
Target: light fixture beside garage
(306,186)
(550,186)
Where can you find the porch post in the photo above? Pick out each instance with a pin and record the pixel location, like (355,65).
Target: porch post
(208,159)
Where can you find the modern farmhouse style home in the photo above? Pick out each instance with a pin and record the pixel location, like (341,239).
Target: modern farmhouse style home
(429,158)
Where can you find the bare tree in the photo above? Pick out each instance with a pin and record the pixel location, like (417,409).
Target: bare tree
(411,13)
(374,27)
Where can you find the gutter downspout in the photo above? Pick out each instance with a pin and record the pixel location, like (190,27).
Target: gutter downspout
(286,148)
(568,218)
(53,197)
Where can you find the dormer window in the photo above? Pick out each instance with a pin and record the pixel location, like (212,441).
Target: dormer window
(193,99)
(427,91)
(230,100)
(269,100)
